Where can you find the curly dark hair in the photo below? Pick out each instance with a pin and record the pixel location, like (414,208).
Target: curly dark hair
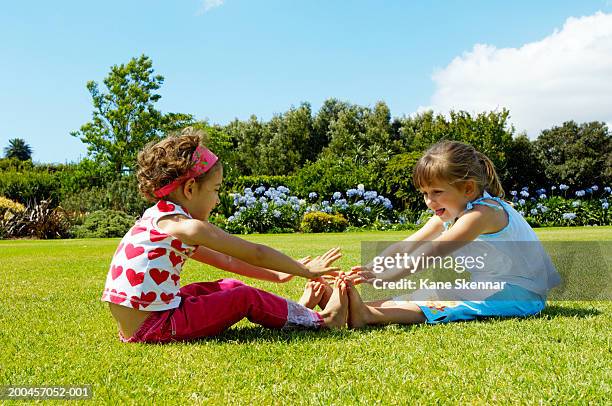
(159,163)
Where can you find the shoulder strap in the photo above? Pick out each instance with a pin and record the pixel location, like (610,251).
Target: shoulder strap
(481,201)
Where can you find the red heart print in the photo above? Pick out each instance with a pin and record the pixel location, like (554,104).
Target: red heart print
(164,206)
(175,259)
(138,229)
(167,298)
(175,278)
(116,271)
(147,297)
(159,276)
(135,278)
(132,252)
(156,253)
(119,248)
(178,245)
(135,301)
(156,236)
(117,297)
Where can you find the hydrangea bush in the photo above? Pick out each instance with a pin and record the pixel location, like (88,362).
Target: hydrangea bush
(559,206)
(276,209)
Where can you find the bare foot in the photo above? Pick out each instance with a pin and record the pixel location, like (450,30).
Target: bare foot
(358,311)
(327,292)
(313,293)
(335,314)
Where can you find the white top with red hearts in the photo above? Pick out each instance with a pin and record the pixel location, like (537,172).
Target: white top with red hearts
(146,267)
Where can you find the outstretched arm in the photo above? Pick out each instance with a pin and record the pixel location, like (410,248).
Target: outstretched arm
(237,266)
(466,229)
(430,231)
(195,232)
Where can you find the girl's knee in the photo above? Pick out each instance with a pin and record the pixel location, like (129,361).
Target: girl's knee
(230,283)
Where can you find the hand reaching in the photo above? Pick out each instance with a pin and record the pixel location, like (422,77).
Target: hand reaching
(320,265)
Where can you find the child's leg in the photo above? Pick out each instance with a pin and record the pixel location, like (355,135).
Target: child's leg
(210,314)
(381,312)
(206,288)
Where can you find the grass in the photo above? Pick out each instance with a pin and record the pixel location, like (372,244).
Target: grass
(55,331)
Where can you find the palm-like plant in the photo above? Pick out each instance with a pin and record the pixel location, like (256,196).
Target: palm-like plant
(18,149)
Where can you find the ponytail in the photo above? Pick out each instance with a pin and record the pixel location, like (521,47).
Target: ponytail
(492,184)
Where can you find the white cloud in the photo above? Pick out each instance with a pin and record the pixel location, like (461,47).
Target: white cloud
(208,4)
(565,76)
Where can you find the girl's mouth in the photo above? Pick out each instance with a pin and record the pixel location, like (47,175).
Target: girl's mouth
(439,212)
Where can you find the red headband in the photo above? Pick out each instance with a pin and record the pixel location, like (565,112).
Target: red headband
(203,160)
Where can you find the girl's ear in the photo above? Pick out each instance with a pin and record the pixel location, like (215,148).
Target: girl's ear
(188,188)
(469,188)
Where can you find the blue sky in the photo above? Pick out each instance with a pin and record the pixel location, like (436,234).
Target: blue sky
(244,57)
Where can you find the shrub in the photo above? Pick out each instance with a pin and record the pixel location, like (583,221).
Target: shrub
(28,187)
(38,221)
(104,224)
(319,222)
(265,211)
(8,207)
(359,206)
(397,181)
(120,195)
(329,175)
(243,182)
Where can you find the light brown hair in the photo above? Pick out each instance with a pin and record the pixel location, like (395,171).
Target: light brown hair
(454,162)
(159,163)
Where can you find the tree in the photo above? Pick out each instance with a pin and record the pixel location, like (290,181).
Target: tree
(18,149)
(288,138)
(247,136)
(523,168)
(577,155)
(124,118)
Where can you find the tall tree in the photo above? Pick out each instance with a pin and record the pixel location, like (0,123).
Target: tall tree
(579,155)
(523,168)
(18,149)
(289,138)
(124,117)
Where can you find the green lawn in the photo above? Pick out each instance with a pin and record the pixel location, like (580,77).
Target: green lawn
(55,331)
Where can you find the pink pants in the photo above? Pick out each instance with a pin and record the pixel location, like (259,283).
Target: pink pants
(209,308)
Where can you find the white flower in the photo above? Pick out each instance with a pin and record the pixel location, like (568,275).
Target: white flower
(360,186)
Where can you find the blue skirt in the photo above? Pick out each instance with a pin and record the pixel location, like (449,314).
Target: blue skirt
(512,301)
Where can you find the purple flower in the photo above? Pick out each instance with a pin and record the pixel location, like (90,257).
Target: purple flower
(569,216)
